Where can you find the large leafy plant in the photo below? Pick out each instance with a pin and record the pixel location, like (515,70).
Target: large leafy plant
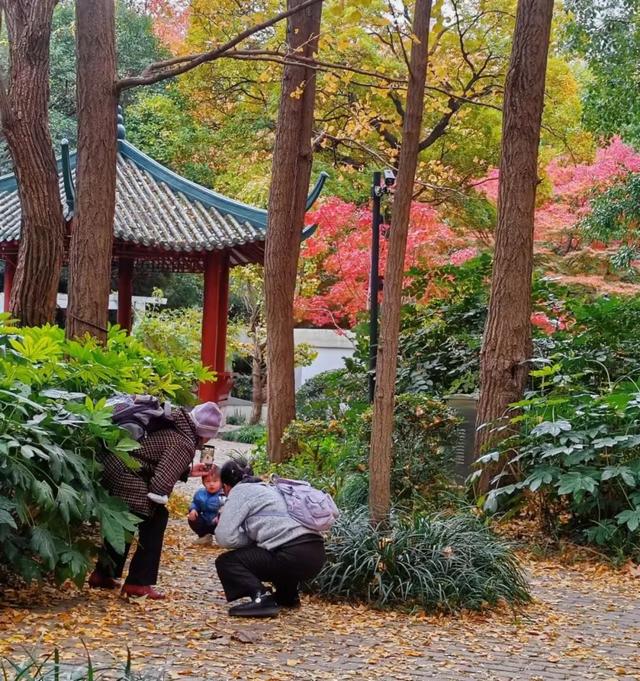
(54,425)
(574,456)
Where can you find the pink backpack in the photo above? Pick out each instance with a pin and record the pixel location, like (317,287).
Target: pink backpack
(309,506)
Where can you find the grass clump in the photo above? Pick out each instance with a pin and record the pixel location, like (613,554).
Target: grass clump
(436,562)
(250,435)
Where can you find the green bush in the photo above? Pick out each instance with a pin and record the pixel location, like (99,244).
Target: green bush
(248,434)
(424,436)
(601,347)
(575,457)
(329,394)
(242,386)
(438,563)
(323,455)
(176,332)
(53,425)
(333,455)
(237,420)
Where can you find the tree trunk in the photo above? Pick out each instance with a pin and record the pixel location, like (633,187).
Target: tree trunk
(287,197)
(25,124)
(507,338)
(381,449)
(92,235)
(257,383)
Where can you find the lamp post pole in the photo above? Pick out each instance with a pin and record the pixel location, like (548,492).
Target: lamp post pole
(374,281)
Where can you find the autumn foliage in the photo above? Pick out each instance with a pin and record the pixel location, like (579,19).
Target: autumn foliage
(334,286)
(569,187)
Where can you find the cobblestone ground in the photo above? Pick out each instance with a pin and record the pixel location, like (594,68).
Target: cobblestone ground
(584,624)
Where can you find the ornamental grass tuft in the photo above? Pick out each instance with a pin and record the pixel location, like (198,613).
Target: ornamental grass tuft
(438,563)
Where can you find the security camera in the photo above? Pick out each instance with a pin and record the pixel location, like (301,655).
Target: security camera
(389,177)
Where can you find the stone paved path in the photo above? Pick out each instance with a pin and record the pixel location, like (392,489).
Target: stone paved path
(584,624)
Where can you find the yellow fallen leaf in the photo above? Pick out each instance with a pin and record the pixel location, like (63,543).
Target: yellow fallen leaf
(292,662)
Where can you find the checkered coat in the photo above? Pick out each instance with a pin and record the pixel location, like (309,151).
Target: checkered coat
(164,455)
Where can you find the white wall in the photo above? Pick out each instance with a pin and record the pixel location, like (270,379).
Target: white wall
(138,302)
(331,346)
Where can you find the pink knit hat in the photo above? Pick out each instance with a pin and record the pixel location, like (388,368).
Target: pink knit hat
(207,418)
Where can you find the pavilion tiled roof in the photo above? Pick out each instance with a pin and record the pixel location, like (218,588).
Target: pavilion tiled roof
(156,208)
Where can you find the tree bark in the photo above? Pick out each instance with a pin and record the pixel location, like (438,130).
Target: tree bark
(92,234)
(287,197)
(25,125)
(381,449)
(257,372)
(257,390)
(507,338)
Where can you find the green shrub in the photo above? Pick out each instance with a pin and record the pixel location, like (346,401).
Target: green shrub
(248,434)
(324,455)
(424,436)
(242,386)
(438,563)
(329,394)
(333,455)
(236,420)
(354,491)
(575,458)
(53,425)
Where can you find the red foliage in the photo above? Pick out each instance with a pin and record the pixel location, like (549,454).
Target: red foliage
(572,185)
(336,260)
(170,21)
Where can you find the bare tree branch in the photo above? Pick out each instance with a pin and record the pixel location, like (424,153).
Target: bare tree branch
(315,63)
(159,71)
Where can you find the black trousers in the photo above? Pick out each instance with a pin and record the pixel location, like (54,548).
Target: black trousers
(145,563)
(242,571)
(201,527)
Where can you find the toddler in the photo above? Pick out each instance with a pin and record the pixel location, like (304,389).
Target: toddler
(203,512)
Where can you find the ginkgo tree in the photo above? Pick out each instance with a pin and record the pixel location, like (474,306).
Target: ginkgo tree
(361,82)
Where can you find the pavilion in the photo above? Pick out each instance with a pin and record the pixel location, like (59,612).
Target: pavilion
(165,222)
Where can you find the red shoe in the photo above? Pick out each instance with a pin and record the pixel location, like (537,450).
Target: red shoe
(139,591)
(98,581)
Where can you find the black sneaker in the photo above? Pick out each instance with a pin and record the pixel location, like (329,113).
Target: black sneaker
(263,605)
(289,604)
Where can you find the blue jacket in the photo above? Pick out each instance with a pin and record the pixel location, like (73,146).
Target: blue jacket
(206,504)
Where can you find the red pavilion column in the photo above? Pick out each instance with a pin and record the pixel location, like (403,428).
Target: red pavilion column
(9,271)
(210,322)
(223,313)
(125,293)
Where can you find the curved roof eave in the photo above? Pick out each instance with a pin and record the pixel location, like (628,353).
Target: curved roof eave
(257,217)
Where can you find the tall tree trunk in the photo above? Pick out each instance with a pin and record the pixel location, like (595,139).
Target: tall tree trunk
(257,380)
(507,337)
(381,449)
(290,176)
(92,235)
(25,124)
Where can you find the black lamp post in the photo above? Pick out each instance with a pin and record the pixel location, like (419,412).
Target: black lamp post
(378,190)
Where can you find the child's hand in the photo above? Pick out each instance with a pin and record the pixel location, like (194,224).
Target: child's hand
(193,515)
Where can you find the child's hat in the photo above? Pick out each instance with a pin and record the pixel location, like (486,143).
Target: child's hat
(207,418)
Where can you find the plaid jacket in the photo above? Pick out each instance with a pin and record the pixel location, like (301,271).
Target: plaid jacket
(164,455)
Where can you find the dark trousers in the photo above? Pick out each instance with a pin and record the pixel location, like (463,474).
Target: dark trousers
(145,563)
(242,571)
(201,527)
